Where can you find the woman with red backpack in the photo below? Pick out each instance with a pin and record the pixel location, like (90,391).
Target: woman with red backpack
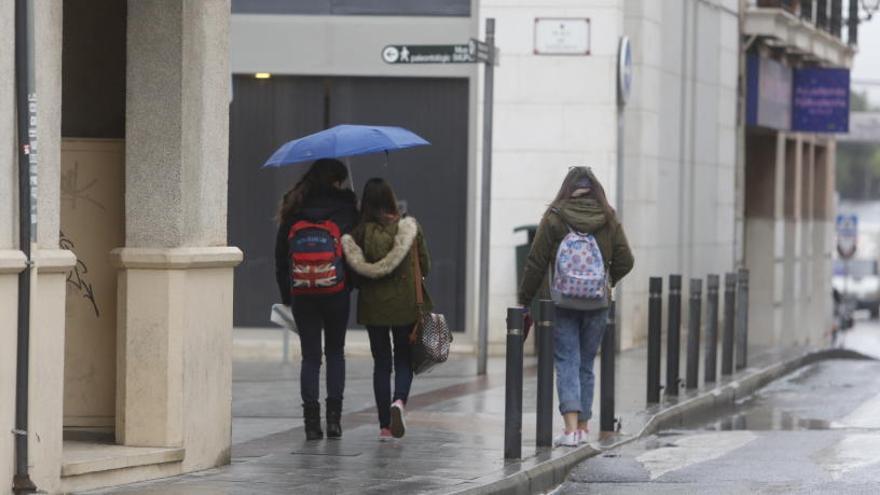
(312,279)
(581,240)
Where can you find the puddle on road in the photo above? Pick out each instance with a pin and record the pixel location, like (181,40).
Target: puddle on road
(834,394)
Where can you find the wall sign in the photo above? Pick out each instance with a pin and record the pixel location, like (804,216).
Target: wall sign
(820,100)
(562,36)
(624,71)
(768,94)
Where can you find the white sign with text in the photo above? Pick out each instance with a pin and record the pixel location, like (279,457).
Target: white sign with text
(562,36)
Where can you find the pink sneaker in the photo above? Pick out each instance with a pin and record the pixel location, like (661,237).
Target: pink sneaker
(385,435)
(398,421)
(583,437)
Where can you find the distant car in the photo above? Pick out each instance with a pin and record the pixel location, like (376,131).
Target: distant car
(858,280)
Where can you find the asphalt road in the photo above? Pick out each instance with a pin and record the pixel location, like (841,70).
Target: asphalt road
(816,431)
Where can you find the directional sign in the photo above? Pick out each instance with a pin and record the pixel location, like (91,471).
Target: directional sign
(430,54)
(847,235)
(847,225)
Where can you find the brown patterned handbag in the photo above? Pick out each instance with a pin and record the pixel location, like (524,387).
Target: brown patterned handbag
(430,339)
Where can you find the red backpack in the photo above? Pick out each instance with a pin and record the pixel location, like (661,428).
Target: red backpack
(316,261)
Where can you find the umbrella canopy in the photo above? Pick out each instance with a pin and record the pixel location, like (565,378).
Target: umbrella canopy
(342,141)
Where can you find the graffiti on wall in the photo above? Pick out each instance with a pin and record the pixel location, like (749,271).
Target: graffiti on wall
(77,277)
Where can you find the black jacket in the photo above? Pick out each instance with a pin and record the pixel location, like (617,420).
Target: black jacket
(337,205)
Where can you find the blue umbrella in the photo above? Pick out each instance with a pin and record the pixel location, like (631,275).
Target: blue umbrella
(342,141)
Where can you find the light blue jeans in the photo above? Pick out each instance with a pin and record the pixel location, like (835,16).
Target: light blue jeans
(577,336)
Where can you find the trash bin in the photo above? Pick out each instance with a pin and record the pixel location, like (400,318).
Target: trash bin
(522,253)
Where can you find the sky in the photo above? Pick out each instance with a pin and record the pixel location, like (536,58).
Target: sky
(867,61)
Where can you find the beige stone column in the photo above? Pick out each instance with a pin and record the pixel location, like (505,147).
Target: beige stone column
(11,260)
(175,279)
(48,292)
(765,234)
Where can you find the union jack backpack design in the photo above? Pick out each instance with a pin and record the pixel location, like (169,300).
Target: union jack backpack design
(316,261)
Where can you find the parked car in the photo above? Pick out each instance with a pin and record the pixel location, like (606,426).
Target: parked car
(858,281)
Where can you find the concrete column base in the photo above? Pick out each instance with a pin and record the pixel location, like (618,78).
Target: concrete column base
(11,264)
(46,389)
(174,366)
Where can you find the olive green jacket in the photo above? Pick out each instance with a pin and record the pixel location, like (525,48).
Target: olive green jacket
(585,216)
(381,257)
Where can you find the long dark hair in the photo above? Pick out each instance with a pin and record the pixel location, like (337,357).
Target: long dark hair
(597,192)
(320,177)
(378,202)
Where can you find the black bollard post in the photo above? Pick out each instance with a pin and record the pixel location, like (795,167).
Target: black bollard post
(711,328)
(513,385)
(673,336)
(655,319)
(606,385)
(742,319)
(695,308)
(727,337)
(544,334)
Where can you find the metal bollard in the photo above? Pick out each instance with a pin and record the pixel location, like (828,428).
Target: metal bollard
(742,319)
(711,328)
(727,337)
(655,319)
(606,379)
(695,308)
(513,385)
(544,335)
(673,336)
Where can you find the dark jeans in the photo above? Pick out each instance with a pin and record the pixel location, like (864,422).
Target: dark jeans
(380,345)
(312,314)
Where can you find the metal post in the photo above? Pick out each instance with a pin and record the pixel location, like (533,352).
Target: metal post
(711,328)
(544,336)
(742,319)
(513,385)
(606,378)
(853,23)
(673,336)
(26,109)
(693,346)
(727,337)
(486,210)
(655,315)
(285,341)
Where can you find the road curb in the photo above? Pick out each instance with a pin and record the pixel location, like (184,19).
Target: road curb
(546,474)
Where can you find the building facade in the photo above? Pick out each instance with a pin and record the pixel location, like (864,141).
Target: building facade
(687,200)
(131,307)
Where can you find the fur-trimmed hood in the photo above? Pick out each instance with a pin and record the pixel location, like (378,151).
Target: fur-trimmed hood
(407,230)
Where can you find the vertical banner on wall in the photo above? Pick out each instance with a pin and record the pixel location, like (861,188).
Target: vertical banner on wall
(821,100)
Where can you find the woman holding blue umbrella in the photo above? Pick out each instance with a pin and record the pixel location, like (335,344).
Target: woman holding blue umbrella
(312,279)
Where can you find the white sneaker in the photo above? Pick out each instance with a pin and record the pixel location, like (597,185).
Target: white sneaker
(583,437)
(398,421)
(567,440)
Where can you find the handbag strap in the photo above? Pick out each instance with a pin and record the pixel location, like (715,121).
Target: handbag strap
(420,295)
(417,275)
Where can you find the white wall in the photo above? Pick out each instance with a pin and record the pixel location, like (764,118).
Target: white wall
(551,112)
(680,142)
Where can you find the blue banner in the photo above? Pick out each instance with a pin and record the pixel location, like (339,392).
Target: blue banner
(821,100)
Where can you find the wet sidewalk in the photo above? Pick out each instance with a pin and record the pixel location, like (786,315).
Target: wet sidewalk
(454,440)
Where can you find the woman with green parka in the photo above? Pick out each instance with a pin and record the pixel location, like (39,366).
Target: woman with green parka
(380,250)
(583,244)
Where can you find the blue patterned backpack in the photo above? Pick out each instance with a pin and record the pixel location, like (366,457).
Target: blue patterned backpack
(579,279)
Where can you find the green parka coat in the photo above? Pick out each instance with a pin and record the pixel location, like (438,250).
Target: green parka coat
(381,257)
(584,215)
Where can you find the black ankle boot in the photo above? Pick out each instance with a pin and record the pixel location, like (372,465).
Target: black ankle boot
(334,416)
(312,420)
